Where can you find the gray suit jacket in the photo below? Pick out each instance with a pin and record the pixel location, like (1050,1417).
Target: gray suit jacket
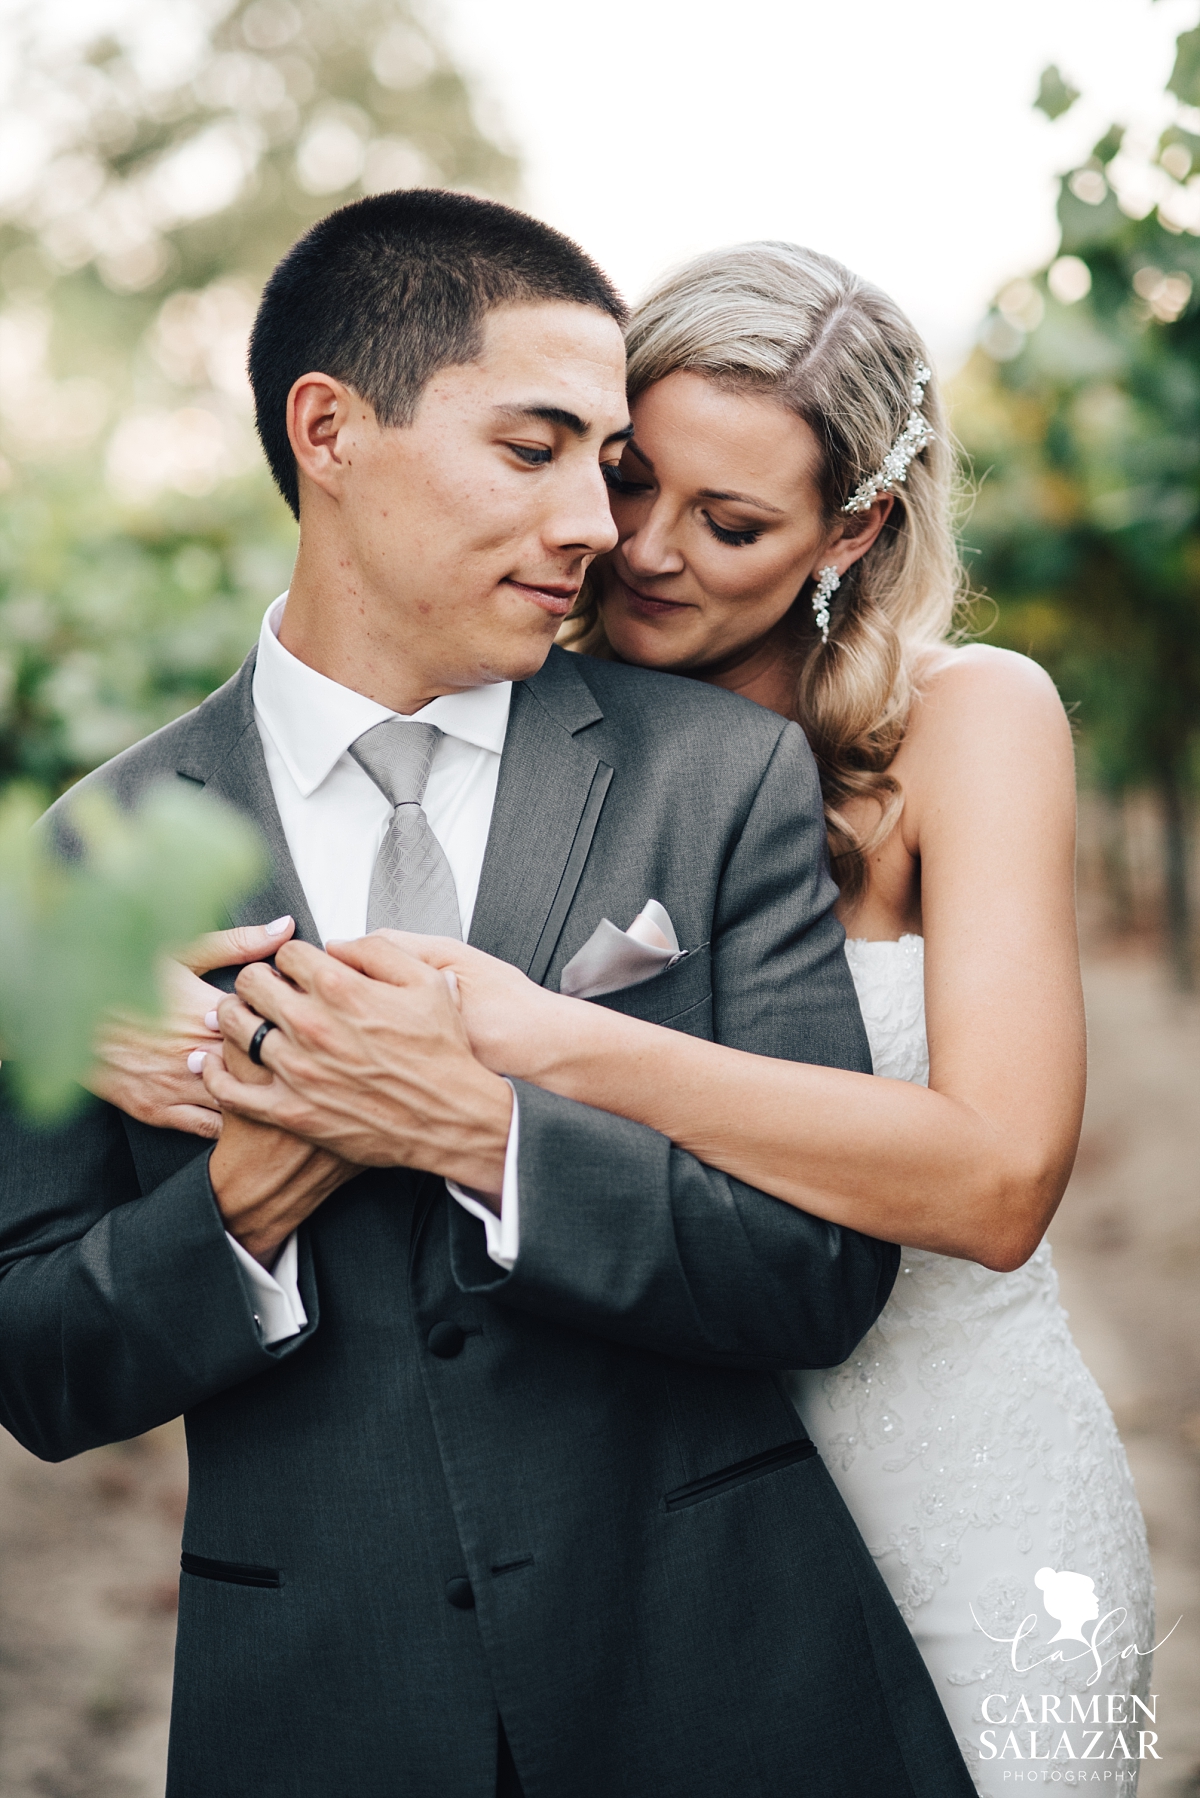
(589,1505)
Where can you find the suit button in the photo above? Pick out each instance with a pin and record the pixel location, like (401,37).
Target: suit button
(460,1595)
(446,1340)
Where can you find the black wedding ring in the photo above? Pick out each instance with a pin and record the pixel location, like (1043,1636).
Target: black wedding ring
(257,1041)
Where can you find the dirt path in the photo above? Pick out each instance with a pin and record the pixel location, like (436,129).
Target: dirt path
(89,1550)
(89,1566)
(1127,1247)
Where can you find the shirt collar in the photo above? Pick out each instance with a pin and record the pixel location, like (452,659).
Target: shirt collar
(313,720)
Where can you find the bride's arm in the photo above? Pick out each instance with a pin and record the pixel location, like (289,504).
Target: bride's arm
(974,1165)
(147,1068)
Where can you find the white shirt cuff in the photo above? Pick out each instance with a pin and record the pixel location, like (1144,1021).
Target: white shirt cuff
(503,1232)
(274,1297)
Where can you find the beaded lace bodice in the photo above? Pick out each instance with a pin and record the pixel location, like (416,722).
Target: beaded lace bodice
(889,979)
(965,1432)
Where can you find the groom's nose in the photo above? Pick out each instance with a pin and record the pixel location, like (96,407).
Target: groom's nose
(580,517)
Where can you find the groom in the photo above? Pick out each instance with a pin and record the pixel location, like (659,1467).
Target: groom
(513,1501)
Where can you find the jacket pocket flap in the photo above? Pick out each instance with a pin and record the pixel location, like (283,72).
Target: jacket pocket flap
(234,1573)
(740,1472)
(686,983)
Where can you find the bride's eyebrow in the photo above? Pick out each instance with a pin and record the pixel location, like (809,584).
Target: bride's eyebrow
(741,499)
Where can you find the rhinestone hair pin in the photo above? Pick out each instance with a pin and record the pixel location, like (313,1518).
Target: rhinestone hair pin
(916,434)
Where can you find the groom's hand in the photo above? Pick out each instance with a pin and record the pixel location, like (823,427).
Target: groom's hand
(380,1072)
(265,1181)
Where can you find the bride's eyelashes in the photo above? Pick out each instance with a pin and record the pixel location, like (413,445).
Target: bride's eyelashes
(735,539)
(618,483)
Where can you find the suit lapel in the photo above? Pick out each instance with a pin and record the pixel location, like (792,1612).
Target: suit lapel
(224,754)
(548,802)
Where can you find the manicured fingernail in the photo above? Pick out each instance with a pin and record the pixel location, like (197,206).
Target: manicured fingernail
(196,1061)
(211,1021)
(277,926)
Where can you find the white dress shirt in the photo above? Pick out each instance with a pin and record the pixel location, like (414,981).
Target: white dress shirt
(334,816)
(334,819)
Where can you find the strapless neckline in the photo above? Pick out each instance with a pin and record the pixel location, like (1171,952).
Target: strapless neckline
(885,942)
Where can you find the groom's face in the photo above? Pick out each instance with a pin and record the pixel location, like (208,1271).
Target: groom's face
(469,531)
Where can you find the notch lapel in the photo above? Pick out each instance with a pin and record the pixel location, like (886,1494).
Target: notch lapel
(224,755)
(548,802)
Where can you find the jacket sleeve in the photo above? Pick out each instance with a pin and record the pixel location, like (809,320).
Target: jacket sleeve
(118,1308)
(627,1236)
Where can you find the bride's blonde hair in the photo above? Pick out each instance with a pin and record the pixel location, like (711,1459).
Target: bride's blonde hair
(778,319)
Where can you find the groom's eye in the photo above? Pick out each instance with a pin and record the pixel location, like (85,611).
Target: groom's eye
(534,455)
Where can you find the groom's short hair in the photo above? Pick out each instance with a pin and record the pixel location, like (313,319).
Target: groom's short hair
(384,292)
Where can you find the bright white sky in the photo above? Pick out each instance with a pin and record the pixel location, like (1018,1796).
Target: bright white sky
(897,135)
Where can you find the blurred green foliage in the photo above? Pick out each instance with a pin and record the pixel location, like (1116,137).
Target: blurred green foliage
(1055,96)
(113,622)
(81,936)
(1080,412)
(140,536)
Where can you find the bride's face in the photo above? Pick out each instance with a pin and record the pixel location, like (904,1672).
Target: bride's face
(719,523)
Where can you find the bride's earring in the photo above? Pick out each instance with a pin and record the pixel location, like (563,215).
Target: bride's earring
(828,582)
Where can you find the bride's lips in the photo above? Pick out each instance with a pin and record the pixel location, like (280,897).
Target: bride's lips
(557,600)
(645,605)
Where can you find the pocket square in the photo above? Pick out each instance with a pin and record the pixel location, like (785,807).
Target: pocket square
(612,959)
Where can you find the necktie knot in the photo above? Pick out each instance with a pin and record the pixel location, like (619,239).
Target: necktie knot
(398,755)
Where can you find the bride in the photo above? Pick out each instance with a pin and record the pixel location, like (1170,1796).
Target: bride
(789,440)
(784,531)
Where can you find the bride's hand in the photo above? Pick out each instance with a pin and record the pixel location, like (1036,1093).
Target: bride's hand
(151,1070)
(510,1021)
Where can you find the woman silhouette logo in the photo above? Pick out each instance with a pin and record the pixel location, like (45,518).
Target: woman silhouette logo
(1070,1598)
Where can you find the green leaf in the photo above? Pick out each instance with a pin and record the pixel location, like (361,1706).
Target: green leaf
(79,938)
(1055,96)
(1109,144)
(1185,76)
(1085,226)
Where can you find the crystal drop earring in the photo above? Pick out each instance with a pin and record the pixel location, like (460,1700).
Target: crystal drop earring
(828,582)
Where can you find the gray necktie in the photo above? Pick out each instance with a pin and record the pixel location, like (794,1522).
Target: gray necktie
(412,887)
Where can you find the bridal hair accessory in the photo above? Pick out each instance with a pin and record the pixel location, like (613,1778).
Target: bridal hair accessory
(916,434)
(828,582)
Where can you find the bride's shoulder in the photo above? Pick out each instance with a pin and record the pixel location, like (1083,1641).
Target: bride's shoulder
(978,686)
(980,713)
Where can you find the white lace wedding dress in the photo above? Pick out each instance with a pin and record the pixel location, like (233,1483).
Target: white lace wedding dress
(975,1452)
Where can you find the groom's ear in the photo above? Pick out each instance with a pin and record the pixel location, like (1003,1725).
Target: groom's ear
(324,417)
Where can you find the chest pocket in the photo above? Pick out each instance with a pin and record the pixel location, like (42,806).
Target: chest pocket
(681,997)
